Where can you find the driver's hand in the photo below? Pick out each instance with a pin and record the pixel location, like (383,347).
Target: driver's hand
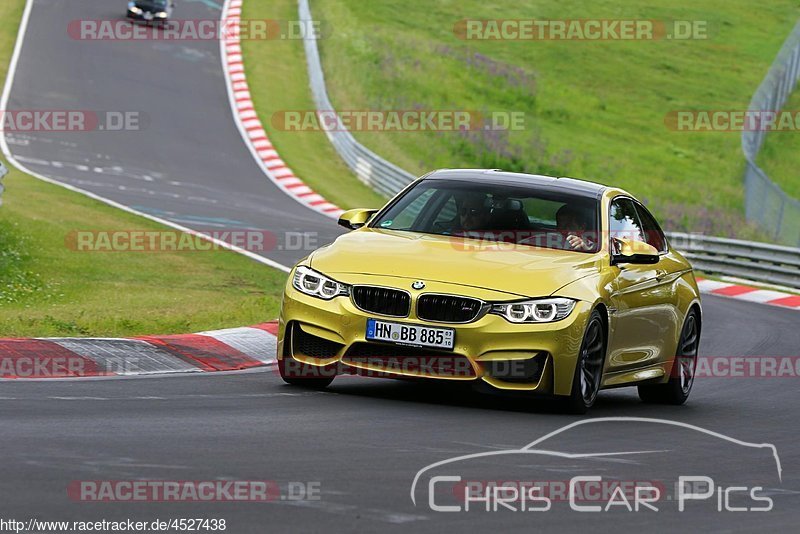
(576,243)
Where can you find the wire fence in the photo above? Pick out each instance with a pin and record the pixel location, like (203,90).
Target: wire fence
(765,203)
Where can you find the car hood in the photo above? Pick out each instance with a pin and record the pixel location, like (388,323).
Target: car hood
(514,269)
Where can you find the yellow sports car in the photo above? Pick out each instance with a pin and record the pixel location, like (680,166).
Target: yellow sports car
(520,282)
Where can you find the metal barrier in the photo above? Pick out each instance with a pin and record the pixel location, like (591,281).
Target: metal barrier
(765,202)
(761,262)
(379,174)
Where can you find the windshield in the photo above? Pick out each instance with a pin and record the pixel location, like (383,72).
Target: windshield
(517,214)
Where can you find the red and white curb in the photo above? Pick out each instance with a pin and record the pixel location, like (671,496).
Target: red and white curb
(250,126)
(219,350)
(752,294)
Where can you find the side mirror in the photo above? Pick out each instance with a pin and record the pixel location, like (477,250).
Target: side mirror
(354,219)
(636,252)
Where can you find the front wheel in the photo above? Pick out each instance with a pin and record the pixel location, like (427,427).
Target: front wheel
(589,367)
(308,376)
(677,390)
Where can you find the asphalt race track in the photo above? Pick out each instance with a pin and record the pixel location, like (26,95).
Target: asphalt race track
(361,441)
(187,164)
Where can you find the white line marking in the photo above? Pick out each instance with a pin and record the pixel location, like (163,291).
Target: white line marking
(12,69)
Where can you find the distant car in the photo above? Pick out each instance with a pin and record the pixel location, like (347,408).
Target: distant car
(488,276)
(151,10)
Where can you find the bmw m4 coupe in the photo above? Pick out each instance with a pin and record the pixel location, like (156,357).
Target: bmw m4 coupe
(552,286)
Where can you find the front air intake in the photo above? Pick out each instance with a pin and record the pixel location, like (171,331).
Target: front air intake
(382,300)
(448,308)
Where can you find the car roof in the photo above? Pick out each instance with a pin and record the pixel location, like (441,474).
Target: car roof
(548,183)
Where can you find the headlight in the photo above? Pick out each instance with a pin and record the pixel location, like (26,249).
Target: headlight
(318,285)
(162,15)
(535,311)
(133,8)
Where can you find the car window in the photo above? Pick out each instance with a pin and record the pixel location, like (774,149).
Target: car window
(652,231)
(411,208)
(624,222)
(447,214)
(542,212)
(512,213)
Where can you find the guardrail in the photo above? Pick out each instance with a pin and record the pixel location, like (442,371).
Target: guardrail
(760,262)
(765,202)
(379,174)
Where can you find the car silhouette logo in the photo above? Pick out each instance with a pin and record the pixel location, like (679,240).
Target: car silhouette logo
(419,284)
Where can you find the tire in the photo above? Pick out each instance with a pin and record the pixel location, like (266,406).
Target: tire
(677,389)
(588,367)
(308,376)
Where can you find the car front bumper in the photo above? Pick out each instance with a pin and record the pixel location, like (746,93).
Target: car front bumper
(142,16)
(331,336)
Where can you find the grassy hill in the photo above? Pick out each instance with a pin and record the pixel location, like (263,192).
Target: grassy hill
(593,109)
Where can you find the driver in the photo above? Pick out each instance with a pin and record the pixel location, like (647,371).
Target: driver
(473,214)
(571,221)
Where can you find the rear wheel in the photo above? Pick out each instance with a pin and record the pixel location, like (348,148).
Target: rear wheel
(677,390)
(589,367)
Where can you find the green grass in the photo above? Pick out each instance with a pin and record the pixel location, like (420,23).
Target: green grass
(780,154)
(594,110)
(48,289)
(276,73)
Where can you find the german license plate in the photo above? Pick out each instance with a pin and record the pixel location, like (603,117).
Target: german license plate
(411,334)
